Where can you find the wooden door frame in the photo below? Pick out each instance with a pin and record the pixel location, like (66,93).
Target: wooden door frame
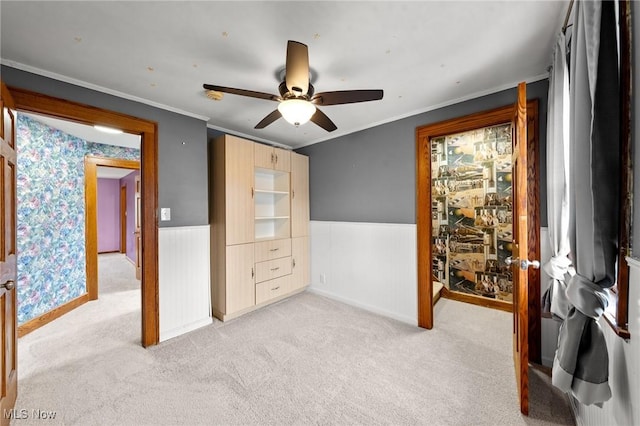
(91,164)
(123,219)
(423,216)
(29,101)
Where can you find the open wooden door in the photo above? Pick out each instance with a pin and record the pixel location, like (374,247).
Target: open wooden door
(138,227)
(8,274)
(519,260)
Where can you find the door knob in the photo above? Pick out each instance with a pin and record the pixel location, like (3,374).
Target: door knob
(9,284)
(523,264)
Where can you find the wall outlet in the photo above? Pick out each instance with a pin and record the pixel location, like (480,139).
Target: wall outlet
(323,279)
(165,213)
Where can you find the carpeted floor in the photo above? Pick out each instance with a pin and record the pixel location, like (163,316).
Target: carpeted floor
(305,360)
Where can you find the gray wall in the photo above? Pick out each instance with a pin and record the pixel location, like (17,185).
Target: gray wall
(182,169)
(370,176)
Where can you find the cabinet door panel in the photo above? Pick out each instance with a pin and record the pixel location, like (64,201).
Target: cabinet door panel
(239,191)
(300,274)
(264,156)
(299,195)
(282,159)
(240,278)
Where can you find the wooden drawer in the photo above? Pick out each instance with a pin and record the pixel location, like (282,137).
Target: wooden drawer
(271,289)
(274,249)
(273,269)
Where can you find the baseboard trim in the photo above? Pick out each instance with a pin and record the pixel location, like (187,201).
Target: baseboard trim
(401,318)
(166,335)
(46,318)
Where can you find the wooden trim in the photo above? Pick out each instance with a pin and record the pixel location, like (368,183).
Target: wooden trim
(423,228)
(123,219)
(423,216)
(533,232)
(79,113)
(148,130)
(91,164)
(621,320)
(149,195)
(620,332)
(90,228)
(54,314)
(476,300)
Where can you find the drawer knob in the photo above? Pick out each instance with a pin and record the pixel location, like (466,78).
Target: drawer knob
(275,269)
(275,249)
(275,288)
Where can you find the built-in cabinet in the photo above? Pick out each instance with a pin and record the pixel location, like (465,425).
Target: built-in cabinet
(260,225)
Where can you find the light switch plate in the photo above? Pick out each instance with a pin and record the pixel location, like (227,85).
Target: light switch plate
(165,213)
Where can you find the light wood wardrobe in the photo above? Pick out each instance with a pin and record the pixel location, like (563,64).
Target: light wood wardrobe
(259,225)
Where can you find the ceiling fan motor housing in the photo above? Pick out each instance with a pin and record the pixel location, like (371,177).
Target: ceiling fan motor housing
(286,94)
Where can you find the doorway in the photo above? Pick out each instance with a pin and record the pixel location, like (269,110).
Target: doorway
(28,101)
(91,164)
(427,206)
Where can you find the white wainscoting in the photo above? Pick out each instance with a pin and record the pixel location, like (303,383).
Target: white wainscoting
(623,408)
(370,265)
(184,277)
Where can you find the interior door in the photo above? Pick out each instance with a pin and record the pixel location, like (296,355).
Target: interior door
(8,277)
(138,229)
(519,259)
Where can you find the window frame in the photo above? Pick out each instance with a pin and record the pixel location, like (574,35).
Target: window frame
(618,318)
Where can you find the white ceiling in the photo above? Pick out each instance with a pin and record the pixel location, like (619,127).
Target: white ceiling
(423,54)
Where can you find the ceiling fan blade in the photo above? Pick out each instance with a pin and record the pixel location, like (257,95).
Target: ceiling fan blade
(242,92)
(268,119)
(297,68)
(323,121)
(346,97)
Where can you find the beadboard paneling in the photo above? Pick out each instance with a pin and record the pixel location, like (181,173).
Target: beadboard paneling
(184,276)
(370,265)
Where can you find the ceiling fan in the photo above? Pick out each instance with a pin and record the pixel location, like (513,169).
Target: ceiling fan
(297,100)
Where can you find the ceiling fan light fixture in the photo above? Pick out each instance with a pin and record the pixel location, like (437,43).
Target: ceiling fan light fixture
(296,111)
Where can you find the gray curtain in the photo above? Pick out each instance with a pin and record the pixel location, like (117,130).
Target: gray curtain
(581,365)
(559,214)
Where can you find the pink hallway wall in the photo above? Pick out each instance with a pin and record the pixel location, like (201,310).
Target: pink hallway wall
(129,182)
(108,215)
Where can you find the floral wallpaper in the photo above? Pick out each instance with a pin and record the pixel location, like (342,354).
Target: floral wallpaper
(50,215)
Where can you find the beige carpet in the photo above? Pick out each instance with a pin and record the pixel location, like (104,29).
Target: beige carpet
(305,360)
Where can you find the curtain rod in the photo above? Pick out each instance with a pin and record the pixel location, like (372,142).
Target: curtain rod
(566,18)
